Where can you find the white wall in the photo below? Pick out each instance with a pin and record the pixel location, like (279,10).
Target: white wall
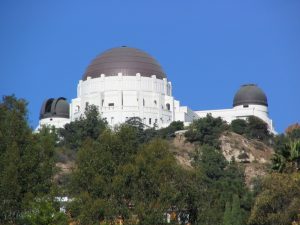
(241,112)
(121,97)
(54,121)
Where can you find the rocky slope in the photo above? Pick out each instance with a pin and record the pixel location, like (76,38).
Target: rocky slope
(253,155)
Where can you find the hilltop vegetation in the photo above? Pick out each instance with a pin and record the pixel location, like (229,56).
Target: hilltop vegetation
(132,174)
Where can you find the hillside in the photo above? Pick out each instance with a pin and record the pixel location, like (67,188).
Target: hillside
(130,173)
(254,155)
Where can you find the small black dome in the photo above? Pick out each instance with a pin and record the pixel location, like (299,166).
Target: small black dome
(58,108)
(125,60)
(250,94)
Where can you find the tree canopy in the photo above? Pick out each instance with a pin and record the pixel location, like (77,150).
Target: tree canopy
(129,173)
(26,161)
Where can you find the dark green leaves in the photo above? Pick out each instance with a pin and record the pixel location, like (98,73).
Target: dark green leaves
(206,130)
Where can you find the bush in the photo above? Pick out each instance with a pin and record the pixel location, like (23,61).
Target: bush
(257,129)
(206,130)
(253,128)
(170,130)
(44,212)
(293,131)
(239,126)
(91,125)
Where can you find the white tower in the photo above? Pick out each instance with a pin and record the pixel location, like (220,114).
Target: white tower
(126,82)
(249,100)
(54,112)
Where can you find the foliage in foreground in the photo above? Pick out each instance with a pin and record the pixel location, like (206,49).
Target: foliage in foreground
(279,201)
(206,130)
(252,128)
(44,211)
(26,161)
(130,173)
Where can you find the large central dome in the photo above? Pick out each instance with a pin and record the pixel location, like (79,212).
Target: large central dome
(125,60)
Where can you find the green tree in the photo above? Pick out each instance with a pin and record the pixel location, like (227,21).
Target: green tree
(227,218)
(294,147)
(91,125)
(110,176)
(289,161)
(206,130)
(236,212)
(211,162)
(278,162)
(257,129)
(280,145)
(144,133)
(279,201)
(9,186)
(169,131)
(95,177)
(293,132)
(233,214)
(218,182)
(44,212)
(26,160)
(239,126)
(154,182)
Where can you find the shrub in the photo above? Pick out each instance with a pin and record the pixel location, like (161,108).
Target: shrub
(206,130)
(239,126)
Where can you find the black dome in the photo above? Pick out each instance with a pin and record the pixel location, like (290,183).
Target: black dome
(125,60)
(58,108)
(250,94)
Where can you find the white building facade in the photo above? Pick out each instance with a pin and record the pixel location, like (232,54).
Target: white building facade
(241,112)
(127,82)
(119,98)
(249,100)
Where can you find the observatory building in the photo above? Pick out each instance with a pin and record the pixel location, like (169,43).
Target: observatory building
(55,112)
(126,82)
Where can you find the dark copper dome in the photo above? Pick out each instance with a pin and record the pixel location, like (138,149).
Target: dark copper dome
(250,94)
(125,60)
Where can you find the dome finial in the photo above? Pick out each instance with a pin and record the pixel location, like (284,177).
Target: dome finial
(249,84)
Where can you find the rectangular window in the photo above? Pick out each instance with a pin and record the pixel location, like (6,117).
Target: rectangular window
(149,120)
(168,106)
(245,106)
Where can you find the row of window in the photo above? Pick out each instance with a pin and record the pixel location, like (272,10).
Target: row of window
(111,105)
(150,121)
(155,103)
(168,106)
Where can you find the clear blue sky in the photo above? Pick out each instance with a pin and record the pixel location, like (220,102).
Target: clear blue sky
(207,48)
